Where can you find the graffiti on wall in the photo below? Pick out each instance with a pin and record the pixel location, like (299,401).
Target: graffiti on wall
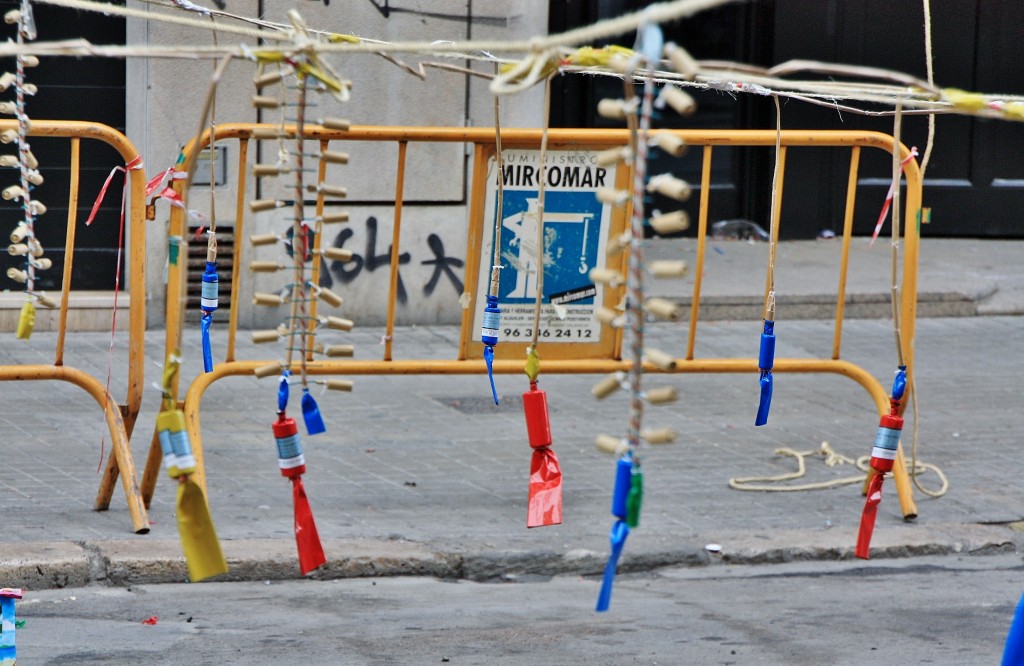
(443,266)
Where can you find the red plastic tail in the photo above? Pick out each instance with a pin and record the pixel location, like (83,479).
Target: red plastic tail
(545,503)
(867,518)
(311,553)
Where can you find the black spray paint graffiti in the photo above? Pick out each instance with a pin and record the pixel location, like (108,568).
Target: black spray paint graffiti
(347,271)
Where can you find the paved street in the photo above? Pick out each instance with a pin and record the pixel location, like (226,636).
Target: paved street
(933,610)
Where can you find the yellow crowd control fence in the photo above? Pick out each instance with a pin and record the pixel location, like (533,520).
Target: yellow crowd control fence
(120,417)
(604,355)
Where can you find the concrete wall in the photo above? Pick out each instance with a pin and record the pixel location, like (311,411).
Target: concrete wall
(165,99)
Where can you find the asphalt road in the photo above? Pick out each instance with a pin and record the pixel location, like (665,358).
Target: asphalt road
(928,610)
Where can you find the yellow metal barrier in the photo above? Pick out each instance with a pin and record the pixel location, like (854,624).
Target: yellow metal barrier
(120,417)
(568,358)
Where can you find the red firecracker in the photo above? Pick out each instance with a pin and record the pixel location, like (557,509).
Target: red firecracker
(293,464)
(883,455)
(545,500)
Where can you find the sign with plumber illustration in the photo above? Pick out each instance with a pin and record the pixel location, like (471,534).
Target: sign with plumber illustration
(575,237)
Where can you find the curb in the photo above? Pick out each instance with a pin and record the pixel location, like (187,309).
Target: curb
(125,563)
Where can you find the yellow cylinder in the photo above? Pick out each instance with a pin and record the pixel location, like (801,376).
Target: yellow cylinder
(267,370)
(263,239)
(663,308)
(681,61)
(259,205)
(342,124)
(612,445)
(337,253)
(334,157)
(661,395)
(265,102)
(604,388)
(611,196)
(265,336)
(660,359)
(671,223)
(264,266)
(339,385)
(339,324)
(339,351)
(332,218)
(660,435)
(667,269)
(680,101)
(261,298)
(670,143)
(615,109)
(329,297)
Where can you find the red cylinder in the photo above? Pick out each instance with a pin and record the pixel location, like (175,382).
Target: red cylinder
(538,424)
(289,448)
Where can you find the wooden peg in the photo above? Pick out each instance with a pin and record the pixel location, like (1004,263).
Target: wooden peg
(671,223)
(663,308)
(661,396)
(613,445)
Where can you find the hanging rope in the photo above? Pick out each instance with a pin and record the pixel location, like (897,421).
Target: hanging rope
(540,216)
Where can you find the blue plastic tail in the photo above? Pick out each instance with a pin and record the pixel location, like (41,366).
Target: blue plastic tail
(766,399)
(489,360)
(311,414)
(618,538)
(204,325)
(899,383)
(1013,653)
(282,391)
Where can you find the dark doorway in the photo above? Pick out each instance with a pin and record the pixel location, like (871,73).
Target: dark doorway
(71,89)
(975,180)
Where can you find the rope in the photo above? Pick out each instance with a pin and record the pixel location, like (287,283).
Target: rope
(495,285)
(895,254)
(635,281)
(540,214)
(929,61)
(773,231)
(832,459)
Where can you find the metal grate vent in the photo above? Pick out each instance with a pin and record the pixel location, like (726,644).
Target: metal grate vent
(197,264)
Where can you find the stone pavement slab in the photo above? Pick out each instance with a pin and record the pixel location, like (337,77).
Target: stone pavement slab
(423,474)
(420,474)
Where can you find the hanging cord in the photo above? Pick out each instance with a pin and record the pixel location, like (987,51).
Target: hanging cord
(914,464)
(773,229)
(540,215)
(916,468)
(895,254)
(496,260)
(298,245)
(635,286)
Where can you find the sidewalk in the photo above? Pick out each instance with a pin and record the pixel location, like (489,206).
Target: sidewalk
(424,475)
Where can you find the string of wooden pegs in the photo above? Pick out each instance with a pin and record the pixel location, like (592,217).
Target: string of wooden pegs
(302,242)
(24,242)
(203,555)
(627,496)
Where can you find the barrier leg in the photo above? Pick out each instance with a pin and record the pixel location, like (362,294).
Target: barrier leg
(151,471)
(121,460)
(903,488)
